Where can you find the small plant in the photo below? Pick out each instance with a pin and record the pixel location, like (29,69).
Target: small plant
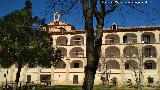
(150,80)
(114,81)
(129,83)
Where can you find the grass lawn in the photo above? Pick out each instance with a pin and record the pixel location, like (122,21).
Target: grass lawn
(95,88)
(78,87)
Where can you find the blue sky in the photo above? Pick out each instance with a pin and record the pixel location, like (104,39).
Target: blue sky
(124,17)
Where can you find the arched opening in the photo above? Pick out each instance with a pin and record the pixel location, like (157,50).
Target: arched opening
(150,64)
(76,52)
(131,64)
(148,37)
(150,51)
(130,52)
(111,39)
(113,64)
(112,52)
(77,40)
(130,38)
(60,65)
(77,64)
(62,40)
(63,51)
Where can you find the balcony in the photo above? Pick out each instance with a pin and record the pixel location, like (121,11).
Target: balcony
(150,51)
(112,39)
(63,51)
(112,52)
(130,52)
(76,64)
(131,65)
(77,52)
(148,37)
(150,64)
(77,40)
(130,38)
(62,41)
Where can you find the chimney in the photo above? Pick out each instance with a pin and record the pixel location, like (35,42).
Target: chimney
(114,26)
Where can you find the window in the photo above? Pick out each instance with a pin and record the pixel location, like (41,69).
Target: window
(77,41)
(77,53)
(76,65)
(112,40)
(28,78)
(124,39)
(148,65)
(4,75)
(75,79)
(148,52)
(126,66)
(45,79)
(146,38)
(114,26)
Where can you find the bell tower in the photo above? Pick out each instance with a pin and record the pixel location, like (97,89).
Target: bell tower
(56,16)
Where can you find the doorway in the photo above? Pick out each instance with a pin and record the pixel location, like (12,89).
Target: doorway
(75,79)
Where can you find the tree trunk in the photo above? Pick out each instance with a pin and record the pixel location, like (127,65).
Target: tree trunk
(93,43)
(17,76)
(89,73)
(93,49)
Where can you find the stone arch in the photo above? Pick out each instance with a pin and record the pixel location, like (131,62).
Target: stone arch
(130,51)
(77,40)
(112,39)
(112,52)
(148,37)
(113,64)
(150,51)
(76,64)
(76,52)
(131,64)
(61,65)
(130,38)
(61,40)
(150,64)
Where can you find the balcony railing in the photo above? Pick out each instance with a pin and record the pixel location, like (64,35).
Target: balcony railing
(77,54)
(111,41)
(76,42)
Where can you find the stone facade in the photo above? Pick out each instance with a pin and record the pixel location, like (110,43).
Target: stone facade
(120,52)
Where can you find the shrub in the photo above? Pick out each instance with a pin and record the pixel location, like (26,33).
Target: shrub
(114,81)
(150,80)
(129,83)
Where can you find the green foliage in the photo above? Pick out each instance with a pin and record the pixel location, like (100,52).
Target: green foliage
(21,42)
(150,79)
(129,83)
(114,81)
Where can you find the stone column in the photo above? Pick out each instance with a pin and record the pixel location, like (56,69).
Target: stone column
(69,40)
(121,38)
(11,73)
(122,68)
(156,36)
(139,38)
(54,40)
(25,73)
(103,39)
(84,39)
(67,71)
(52,76)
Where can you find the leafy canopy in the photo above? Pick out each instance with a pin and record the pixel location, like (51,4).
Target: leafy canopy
(21,42)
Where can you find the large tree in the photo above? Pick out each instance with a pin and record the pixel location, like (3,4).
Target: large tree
(23,42)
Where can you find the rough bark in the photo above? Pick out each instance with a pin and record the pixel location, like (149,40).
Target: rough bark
(17,76)
(93,43)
